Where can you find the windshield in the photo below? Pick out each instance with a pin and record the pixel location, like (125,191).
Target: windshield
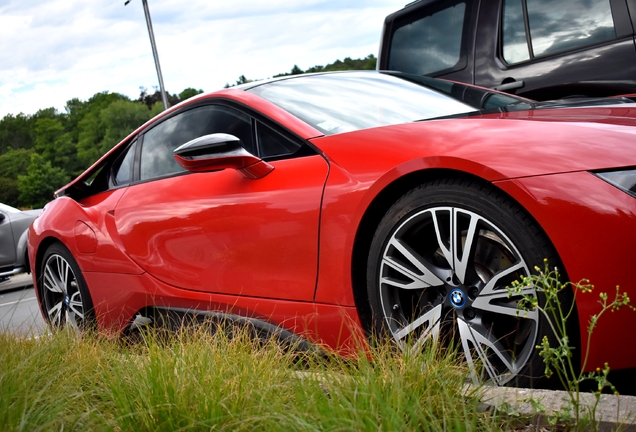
(342,102)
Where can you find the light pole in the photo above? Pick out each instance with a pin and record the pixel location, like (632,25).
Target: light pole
(162,89)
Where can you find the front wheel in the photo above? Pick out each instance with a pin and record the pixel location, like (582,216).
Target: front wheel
(63,292)
(439,265)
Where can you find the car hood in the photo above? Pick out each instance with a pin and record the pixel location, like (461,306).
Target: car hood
(497,146)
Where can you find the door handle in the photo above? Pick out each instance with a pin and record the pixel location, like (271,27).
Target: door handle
(509,86)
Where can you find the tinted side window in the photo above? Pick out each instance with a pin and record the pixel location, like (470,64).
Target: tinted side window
(554,27)
(273,144)
(515,44)
(156,153)
(431,43)
(123,167)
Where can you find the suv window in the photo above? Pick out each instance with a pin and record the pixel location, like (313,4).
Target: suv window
(574,24)
(159,142)
(416,45)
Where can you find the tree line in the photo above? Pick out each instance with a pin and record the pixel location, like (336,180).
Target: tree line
(41,152)
(367,63)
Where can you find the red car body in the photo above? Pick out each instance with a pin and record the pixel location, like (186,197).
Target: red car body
(283,248)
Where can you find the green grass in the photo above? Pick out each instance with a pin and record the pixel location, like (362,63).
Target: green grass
(193,380)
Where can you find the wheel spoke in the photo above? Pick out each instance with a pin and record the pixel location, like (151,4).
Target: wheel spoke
(479,340)
(416,281)
(76,306)
(65,269)
(461,263)
(501,303)
(71,319)
(431,319)
(445,244)
(428,274)
(51,281)
(493,283)
(55,313)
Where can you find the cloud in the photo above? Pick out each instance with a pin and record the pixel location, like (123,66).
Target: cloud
(52,51)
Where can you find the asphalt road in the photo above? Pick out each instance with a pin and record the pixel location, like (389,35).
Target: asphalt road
(19,311)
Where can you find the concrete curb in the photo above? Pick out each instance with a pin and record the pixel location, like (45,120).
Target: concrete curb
(612,412)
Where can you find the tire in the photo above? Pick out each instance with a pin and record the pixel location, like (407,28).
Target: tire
(65,299)
(438,268)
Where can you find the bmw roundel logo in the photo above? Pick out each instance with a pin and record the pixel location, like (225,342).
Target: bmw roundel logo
(457,298)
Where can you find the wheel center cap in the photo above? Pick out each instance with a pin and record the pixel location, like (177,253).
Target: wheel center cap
(67,300)
(457,298)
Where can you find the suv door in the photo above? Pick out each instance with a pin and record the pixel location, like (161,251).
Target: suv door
(543,49)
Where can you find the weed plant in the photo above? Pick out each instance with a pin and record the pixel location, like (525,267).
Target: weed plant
(198,379)
(558,356)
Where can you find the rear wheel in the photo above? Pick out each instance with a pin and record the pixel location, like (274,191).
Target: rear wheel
(439,265)
(63,292)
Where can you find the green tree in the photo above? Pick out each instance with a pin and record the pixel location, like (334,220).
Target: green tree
(9,193)
(371,62)
(15,162)
(151,99)
(16,132)
(156,109)
(367,63)
(101,129)
(188,93)
(241,80)
(76,109)
(90,136)
(12,164)
(119,119)
(45,113)
(294,71)
(56,145)
(41,181)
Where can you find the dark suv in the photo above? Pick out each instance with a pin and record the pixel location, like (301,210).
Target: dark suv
(541,49)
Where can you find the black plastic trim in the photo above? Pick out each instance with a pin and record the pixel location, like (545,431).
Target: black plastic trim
(175,318)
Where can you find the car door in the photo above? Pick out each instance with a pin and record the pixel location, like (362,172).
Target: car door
(220,231)
(547,50)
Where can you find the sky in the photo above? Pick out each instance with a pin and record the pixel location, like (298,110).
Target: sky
(54,50)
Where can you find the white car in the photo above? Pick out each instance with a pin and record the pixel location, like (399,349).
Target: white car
(13,240)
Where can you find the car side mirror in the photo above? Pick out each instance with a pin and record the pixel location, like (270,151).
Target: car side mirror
(220,151)
(2,217)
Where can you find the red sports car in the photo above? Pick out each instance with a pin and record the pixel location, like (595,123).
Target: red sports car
(332,206)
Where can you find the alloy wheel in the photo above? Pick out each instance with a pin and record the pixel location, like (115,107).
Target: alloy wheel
(442,277)
(62,295)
